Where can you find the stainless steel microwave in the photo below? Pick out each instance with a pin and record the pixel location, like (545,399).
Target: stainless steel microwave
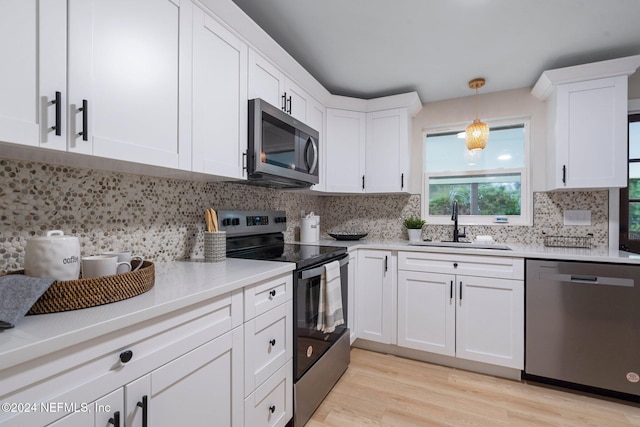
(283,152)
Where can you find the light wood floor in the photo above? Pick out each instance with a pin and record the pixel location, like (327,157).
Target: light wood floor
(384,390)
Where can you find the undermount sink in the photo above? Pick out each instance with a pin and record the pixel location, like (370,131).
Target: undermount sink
(462,245)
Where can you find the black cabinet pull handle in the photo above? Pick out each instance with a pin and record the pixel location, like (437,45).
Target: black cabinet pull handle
(284,102)
(461,290)
(386,263)
(289,101)
(126,356)
(85,120)
(401,181)
(363,182)
(564,174)
(144,404)
(272,342)
(272,293)
(272,408)
(451,291)
(58,103)
(115,420)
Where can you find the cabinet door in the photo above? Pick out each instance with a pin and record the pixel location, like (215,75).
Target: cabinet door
(591,134)
(203,387)
(33,47)
(219,94)
(490,321)
(297,101)
(316,113)
(351,292)
(345,153)
(266,81)
(375,296)
(387,151)
(123,66)
(427,311)
(107,411)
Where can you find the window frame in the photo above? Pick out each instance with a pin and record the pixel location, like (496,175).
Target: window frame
(526,194)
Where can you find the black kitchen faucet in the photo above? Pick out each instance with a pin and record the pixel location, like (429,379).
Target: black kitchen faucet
(454,217)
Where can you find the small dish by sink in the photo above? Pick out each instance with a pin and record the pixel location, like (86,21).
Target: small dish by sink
(469,245)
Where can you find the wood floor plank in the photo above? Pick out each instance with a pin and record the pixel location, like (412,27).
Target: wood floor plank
(389,391)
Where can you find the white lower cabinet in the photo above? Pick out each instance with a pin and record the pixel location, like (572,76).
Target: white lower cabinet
(470,317)
(186,367)
(375,302)
(268,360)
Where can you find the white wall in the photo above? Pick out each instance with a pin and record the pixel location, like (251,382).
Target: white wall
(498,105)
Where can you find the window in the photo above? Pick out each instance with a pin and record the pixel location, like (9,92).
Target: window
(630,196)
(487,184)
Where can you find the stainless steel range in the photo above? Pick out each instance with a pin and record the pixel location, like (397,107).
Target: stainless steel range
(319,358)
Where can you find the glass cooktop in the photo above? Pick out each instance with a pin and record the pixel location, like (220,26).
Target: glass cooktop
(303,255)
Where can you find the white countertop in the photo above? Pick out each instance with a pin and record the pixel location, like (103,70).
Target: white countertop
(177,285)
(517,250)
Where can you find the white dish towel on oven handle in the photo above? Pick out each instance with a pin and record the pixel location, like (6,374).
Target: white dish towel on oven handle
(330,304)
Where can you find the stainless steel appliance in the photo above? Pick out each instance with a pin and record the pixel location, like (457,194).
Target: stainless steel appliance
(319,359)
(283,152)
(583,326)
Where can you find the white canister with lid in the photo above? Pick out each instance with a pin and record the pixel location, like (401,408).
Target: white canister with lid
(55,256)
(310,229)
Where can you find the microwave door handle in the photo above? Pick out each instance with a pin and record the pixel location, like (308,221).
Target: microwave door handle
(314,164)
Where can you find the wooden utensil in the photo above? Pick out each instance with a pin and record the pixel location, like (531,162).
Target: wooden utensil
(214,220)
(208,220)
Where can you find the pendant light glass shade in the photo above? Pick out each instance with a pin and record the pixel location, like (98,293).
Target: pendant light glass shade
(477,133)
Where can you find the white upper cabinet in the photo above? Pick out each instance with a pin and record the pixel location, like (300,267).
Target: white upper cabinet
(219,98)
(268,82)
(587,123)
(345,151)
(368,152)
(124,60)
(387,151)
(33,47)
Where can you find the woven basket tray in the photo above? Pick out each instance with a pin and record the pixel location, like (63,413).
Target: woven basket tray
(65,295)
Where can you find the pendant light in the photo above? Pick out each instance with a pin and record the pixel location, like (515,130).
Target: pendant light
(477,133)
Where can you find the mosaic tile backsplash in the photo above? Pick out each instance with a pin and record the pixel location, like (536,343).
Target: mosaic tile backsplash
(163,219)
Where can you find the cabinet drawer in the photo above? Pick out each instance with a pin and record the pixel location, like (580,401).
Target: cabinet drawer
(470,265)
(266,295)
(272,403)
(268,345)
(86,371)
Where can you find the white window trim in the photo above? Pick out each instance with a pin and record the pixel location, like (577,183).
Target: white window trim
(526,197)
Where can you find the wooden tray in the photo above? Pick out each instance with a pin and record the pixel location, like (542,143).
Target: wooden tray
(66,295)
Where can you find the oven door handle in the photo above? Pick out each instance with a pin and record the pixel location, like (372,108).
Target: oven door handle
(314,272)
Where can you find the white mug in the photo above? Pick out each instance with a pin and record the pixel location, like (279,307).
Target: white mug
(102,265)
(125,256)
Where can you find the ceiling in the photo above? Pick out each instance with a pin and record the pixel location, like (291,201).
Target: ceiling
(372,48)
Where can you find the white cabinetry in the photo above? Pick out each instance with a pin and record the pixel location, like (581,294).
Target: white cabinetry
(345,151)
(367,152)
(268,384)
(387,151)
(123,69)
(219,98)
(268,82)
(188,364)
(587,123)
(467,306)
(33,47)
(375,296)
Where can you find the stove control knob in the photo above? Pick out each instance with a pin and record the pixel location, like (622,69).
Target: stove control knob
(226,221)
(235,221)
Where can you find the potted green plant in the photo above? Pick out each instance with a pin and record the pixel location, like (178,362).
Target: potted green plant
(414,227)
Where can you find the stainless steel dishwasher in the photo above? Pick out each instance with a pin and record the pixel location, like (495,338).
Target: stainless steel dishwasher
(583,325)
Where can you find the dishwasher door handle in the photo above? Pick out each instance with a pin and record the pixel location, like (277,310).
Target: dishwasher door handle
(589,280)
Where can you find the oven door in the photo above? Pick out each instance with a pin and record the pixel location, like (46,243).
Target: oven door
(309,342)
